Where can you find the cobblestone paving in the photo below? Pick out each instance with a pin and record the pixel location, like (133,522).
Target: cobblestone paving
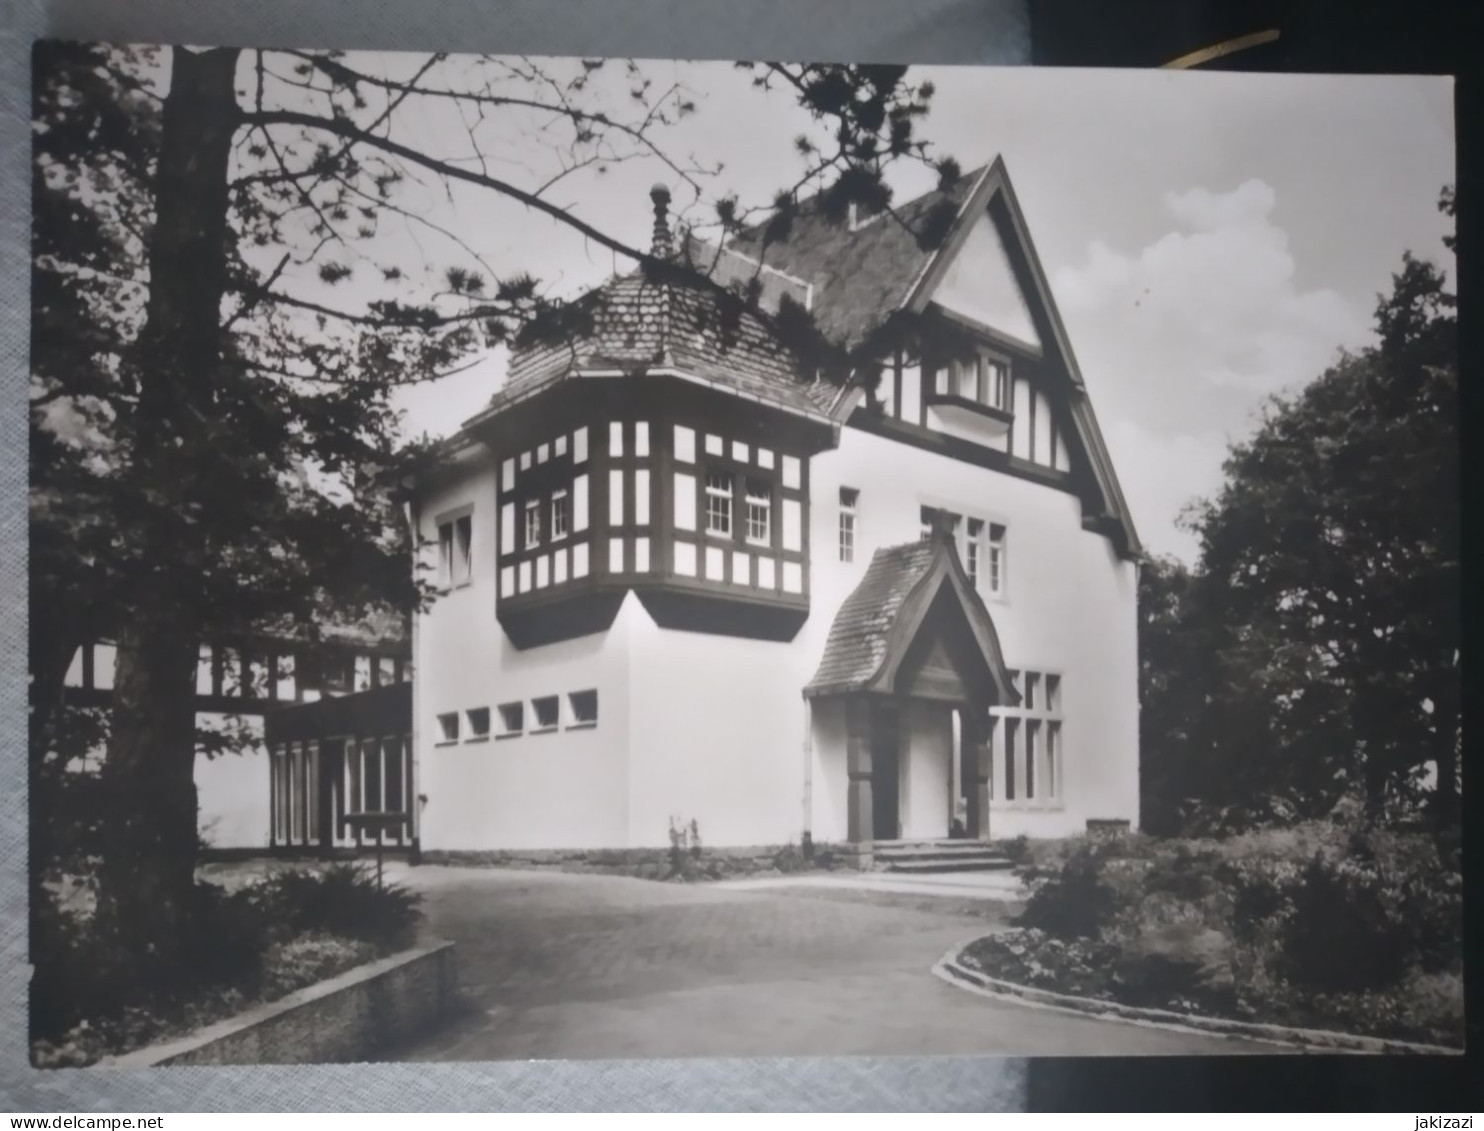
(573,966)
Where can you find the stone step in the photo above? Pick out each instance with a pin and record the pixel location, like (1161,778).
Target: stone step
(907,848)
(983,863)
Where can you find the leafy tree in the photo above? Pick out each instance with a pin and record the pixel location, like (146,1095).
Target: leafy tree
(221,322)
(1329,583)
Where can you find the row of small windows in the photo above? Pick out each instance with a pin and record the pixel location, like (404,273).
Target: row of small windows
(545,714)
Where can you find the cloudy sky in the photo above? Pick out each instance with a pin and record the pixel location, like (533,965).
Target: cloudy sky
(1211,239)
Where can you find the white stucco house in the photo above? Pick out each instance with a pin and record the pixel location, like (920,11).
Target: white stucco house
(687,576)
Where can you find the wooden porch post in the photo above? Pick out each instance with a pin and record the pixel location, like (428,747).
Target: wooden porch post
(976,739)
(859,806)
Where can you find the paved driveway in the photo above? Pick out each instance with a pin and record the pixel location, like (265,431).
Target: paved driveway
(575,966)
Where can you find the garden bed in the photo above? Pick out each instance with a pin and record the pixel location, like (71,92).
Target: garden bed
(254,945)
(1320,927)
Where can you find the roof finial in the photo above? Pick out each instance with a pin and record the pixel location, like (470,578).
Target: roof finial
(662,246)
(945,526)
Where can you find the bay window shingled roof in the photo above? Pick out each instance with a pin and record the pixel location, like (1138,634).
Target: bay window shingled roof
(640,324)
(857,644)
(850,279)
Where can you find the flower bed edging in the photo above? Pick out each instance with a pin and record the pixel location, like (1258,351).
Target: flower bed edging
(950,970)
(340,1020)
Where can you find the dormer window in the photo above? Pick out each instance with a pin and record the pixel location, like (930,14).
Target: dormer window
(983,379)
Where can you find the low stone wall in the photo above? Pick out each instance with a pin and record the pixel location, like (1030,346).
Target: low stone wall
(342,1020)
(654,863)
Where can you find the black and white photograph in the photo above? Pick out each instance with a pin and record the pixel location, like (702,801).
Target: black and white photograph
(540,558)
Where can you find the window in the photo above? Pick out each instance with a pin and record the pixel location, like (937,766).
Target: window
(1028,766)
(547,712)
(533,523)
(995,558)
(479,724)
(974,532)
(583,708)
(448,727)
(561,514)
(759,513)
(719,503)
(512,718)
(993,382)
(849,501)
(455,539)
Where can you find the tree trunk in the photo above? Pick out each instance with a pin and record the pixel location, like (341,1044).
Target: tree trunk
(147,877)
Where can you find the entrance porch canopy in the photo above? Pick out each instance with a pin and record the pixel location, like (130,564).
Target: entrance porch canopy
(914,628)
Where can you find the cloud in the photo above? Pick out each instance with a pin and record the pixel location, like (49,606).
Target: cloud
(1182,340)
(1163,474)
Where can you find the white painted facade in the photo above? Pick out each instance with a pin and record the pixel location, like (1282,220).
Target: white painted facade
(700,726)
(711,728)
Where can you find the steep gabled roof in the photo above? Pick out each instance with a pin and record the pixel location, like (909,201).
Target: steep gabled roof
(859,277)
(879,621)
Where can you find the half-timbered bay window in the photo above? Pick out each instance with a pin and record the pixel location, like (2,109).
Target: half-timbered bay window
(695,501)
(849,502)
(543,500)
(1026,751)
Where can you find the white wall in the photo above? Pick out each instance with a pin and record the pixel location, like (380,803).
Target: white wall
(1068,608)
(981,285)
(563,789)
(713,728)
(717,730)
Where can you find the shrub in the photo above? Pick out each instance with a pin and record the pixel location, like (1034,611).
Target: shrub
(343,900)
(1072,901)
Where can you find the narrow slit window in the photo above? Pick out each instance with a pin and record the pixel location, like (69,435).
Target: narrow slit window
(973,548)
(995,555)
(849,508)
